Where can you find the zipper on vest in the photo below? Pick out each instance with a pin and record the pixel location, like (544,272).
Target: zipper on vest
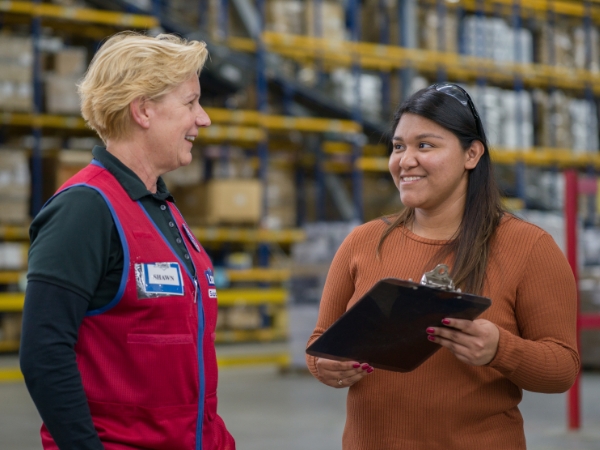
(195,289)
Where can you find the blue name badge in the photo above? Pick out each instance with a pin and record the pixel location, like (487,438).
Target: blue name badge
(162,278)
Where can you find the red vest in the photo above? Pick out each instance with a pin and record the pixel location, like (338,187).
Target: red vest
(148,365)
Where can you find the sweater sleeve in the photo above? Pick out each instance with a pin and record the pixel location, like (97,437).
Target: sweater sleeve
(339,287)
(544,357)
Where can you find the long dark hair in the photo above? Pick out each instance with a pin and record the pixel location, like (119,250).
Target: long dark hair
(483,210)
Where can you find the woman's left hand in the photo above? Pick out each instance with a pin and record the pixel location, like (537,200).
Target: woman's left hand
(473,342)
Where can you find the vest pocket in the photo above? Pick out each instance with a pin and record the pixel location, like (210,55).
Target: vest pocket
(168,339)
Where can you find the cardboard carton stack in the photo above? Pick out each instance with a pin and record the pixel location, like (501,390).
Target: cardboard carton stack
(69,64)
(281,199)
(13,255)
(10,329)
(14,186)
(369,91)
(555,45)
(493,38)
(507,116)
(332,18)
(60,165)
(439,33)
(302,17)
(221,202)
(586,55)
(16,71)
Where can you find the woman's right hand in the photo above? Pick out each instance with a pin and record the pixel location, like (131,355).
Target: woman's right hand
(341,374)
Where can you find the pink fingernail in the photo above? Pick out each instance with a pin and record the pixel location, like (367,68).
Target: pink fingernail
(431,338)
(356,365)
(370,370)
(365,366)
(430,330)
(446,321)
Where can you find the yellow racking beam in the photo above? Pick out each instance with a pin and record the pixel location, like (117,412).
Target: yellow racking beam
(14,233)
(345,148)
(222,133)
(258,274)
(248,235)
(10,374)
(262,335)
(279,359)
(251,120)
(531,157)
(233,297)
(9,277)
(205,234)
(387,57)
(282,123)
(42,120)
(79,14)
(11,301)
(13,374)
(576,9)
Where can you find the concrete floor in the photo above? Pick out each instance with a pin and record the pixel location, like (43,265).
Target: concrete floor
(266,410)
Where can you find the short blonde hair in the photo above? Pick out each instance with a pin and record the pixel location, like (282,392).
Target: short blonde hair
(128,66)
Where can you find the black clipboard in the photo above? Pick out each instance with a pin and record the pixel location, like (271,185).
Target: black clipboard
(386,327)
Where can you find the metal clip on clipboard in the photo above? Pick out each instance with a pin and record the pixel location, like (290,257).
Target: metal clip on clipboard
(386,326)
(439,278)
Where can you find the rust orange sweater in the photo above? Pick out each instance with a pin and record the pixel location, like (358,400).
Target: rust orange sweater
(444,403)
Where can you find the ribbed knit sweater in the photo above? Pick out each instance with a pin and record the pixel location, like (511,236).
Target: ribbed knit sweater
(445,403)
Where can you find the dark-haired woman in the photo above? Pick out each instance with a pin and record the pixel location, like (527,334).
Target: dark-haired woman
(466,396)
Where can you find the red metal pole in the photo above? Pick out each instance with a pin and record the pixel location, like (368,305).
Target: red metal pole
(571,191)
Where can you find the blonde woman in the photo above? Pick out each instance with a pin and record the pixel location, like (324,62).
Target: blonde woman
(120,309)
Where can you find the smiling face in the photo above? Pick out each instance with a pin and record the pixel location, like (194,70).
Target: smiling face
(429,166)
(174,120)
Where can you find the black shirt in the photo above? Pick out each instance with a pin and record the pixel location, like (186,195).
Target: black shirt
(75,266)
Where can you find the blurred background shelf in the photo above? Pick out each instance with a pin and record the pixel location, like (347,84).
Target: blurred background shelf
(301,96)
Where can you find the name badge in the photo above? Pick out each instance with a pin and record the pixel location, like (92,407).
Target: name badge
(159,279)
(191,237)
(210,278)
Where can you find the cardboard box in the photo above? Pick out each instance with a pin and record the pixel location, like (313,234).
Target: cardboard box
(16,73)
(69,163)
(233,201)
(16,96)
(16,49)
(333,20)
(61,94)
(190,201)
(285,16)
(11,327)
(13,255)
(70,61)
(59,166)
(14,212)
(15,179)
(221,201)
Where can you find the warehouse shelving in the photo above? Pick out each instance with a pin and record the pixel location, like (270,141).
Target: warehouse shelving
(256,128)
(249,124)
(77,14)
(370,56)
(406,58)
(239,127)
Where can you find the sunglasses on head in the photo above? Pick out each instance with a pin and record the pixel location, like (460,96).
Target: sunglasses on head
(463,97)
